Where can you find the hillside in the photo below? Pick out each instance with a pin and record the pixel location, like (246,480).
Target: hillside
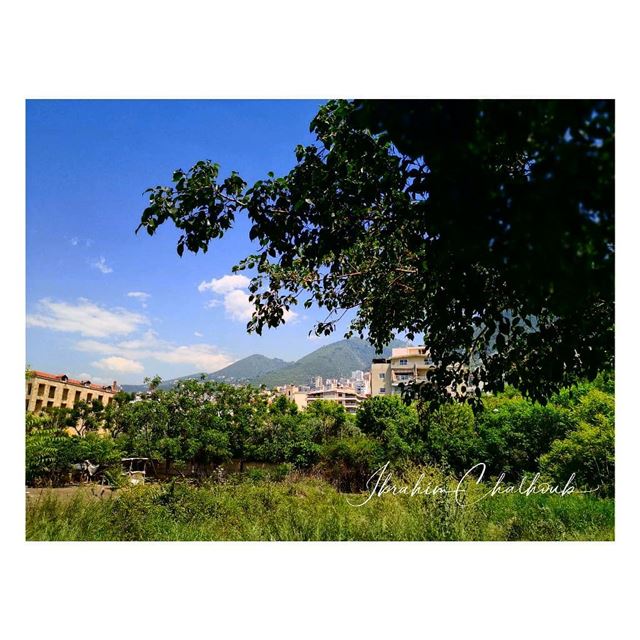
(166,384)
(243,370)
(249,368)
(334,360)
(331,361)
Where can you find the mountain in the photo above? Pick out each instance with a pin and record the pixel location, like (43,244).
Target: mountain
(166,384)
(244,370)
(334,360)
(248,369)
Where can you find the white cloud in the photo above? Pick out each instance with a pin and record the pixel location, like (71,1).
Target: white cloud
(148,340)
(85,318)
(141,296)
(119,364)
(237,305)
(226,284)
(234,297)
(203,357)
(94,379)
(197,334)
(101,265)
(74,241)
(290,316)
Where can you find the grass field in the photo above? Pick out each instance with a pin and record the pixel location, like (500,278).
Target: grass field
(309,509)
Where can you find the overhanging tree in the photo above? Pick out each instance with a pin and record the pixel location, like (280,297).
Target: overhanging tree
(487,226)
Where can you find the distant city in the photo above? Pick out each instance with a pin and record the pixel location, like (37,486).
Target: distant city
(385,374)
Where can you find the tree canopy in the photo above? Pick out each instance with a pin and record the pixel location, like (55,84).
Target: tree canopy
(486,226)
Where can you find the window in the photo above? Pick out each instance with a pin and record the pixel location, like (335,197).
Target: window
(404,361)
(382,390)
(65,395)
(26,406)
(64,405)
(100,398)
(52,391)
(77,398)
(50,403)
(29,389)
(38,405)
(382,376)
(40,389)
(89,396)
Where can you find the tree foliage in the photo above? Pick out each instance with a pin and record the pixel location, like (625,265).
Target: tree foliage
(486,226)
(201,424)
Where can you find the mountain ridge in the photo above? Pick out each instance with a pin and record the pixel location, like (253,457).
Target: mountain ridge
(334,360)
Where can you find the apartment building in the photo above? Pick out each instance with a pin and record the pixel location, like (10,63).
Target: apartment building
(47,390)
(295,394)
(348,397)
(406,365)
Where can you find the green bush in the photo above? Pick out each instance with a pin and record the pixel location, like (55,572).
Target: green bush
(394,424)
(515,432)
(49,454)
(589,449)
(99,449)
(349,462)
(287,438)
(451,437)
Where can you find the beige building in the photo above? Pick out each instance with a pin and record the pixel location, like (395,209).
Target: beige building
(47,390)
(294,394)
(348,397)
(406,365)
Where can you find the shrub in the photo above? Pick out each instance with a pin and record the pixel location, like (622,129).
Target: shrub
(588,452)
(516,432)
(393,423)
(49,454)
(589,449)
(451,437)
(326,420)
(97,448)
(349,462)
(287,438)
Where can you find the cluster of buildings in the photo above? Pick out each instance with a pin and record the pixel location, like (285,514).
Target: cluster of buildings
(345,395)
(48,390)
(406,365)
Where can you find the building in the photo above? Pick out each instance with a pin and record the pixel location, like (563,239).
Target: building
(406,365)
(348,397)
(47,390)
(294,394)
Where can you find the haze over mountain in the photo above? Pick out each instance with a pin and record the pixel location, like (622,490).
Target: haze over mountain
(334,360)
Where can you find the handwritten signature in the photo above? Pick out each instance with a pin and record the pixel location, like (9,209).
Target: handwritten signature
(381,483)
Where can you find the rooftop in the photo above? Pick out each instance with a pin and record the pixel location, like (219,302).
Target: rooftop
(85,384)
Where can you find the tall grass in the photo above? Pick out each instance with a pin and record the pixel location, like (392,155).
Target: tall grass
(309,509)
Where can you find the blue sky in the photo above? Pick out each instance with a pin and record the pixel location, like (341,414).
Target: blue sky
(107,304)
